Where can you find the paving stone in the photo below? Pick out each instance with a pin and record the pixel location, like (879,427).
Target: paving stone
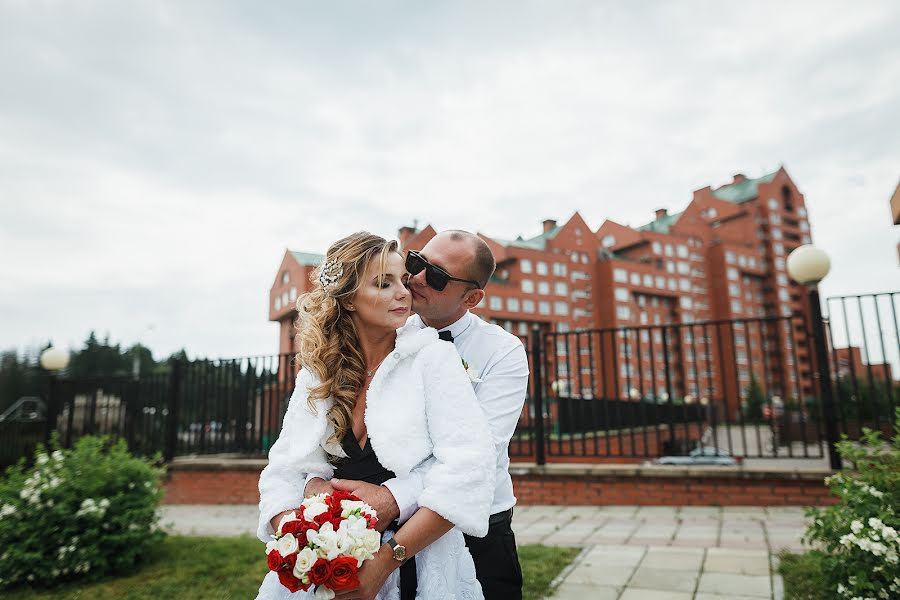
(673,559)
(618,510)
(705,596)
(740,562)
(664,579)
(657,511)
(608,575)
(730,584)
(577,591)
(625,557)
(640,594)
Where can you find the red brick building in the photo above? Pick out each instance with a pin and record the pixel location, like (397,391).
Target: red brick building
(721,258)
(849,363)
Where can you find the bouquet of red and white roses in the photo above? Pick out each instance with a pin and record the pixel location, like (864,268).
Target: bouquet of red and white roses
(323,543)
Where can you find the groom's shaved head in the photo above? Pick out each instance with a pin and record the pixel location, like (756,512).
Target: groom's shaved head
(483,263)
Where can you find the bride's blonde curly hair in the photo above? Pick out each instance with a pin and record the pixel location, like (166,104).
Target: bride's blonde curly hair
(327,338)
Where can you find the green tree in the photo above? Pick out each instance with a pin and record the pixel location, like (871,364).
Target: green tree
(756,399)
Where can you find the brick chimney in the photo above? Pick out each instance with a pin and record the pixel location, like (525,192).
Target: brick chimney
(661,212)
(739,178)
(405,233)
(549,224)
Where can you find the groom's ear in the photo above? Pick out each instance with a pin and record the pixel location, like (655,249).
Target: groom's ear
(472,298)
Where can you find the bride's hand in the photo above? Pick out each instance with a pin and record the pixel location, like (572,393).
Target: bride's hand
(317,485)
(377,496)
(372,575)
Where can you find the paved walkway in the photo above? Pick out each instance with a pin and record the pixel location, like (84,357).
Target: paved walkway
(629,552)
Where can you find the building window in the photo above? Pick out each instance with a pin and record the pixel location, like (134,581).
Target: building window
(742,261)
(801,211)
(773,204)
(277,302)
(496,303)
(512,304)
(682,251)
(775,219)
(635,279)
(787,199)
(735,306)
(711,213)
(559,269)
(732,273)
(285,277)
(543,288)
(584,259)
(562,327)
(660,282)
(804,226)
(620,275)
(284,298)
(525,265)
(734,289)
(560,308)
(669,251)
(622,294)
(776,233)
(544,307)
(560,288)
(686,302)
(523,328)
(623,312)
(778,247)
(657,248)
(528,306)
(684,268)
(782,279)
(783,295)
(729,257)
(541,268)
(648,280)
(779,263)
(528,286)
(293,294)
(684,285)
(673,285)
(609,241)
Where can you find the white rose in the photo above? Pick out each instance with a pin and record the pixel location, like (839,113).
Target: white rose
(325,539)
(313,510)
(306,558)
(271,545)
(360,554)
(371,540)
(317,499)
(324,593)
(287,544)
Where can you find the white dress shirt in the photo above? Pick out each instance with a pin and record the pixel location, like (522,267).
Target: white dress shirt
(497,358)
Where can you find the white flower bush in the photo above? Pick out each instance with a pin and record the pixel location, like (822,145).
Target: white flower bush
(96,504)
(856,538)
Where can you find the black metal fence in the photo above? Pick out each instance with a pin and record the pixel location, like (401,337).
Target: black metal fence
(749,387)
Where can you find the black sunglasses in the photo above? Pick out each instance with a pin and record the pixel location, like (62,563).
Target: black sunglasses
(435,277)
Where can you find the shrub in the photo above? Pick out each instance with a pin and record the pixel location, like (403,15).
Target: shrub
(858,536)
(77,514)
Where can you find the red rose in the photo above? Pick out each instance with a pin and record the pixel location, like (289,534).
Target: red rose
(339,495)
(343,574)
(321,519)
(287,579)
(292,527)
(288,562)
(371,521)
(320,572)
(274,560)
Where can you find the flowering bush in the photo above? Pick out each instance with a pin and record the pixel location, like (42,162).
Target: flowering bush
(76,514)
(858,537)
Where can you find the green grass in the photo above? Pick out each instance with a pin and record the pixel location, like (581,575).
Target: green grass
(194,568)
(802,574)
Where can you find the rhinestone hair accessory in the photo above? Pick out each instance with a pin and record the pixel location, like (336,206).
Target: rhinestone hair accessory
(330,273)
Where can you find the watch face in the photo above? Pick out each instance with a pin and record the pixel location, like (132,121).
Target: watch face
(399,552)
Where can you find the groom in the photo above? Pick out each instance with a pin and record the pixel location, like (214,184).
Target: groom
(447,280)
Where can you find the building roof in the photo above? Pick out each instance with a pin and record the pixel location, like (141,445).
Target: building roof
(744,190)
(662,224)
(538,242)
(307,259)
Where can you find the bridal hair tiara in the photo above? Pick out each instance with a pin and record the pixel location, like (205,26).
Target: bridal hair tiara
(330,273)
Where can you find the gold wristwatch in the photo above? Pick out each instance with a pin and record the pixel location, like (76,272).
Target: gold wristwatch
(399,551)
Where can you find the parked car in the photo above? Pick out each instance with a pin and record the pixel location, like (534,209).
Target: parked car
(706,455)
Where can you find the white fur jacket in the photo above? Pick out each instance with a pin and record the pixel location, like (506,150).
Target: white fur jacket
(421,413)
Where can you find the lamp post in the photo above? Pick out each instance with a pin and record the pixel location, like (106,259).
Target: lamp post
(53,360)
(808,265)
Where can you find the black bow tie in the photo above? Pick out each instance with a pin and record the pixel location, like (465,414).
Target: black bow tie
(446,335)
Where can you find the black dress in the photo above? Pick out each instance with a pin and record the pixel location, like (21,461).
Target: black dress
(362,464)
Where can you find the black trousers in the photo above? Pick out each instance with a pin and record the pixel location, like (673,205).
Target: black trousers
(496,560)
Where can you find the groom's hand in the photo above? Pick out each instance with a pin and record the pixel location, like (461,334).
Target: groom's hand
(377,496)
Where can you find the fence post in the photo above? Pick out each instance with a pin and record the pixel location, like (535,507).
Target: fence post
(823,373)
(174,401)
(536,363)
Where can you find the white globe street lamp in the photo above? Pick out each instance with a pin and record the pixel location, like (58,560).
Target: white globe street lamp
(808,265)
(54,359)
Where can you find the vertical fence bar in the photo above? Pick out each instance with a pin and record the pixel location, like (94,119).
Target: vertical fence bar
(540,457)
(174,405)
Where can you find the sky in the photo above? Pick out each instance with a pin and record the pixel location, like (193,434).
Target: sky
(157,158)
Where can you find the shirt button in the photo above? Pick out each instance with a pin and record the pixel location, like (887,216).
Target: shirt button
(397,355)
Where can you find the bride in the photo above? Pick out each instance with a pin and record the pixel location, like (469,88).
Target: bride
(377,399)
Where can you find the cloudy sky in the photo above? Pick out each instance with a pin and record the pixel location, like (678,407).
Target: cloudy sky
(156,158)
